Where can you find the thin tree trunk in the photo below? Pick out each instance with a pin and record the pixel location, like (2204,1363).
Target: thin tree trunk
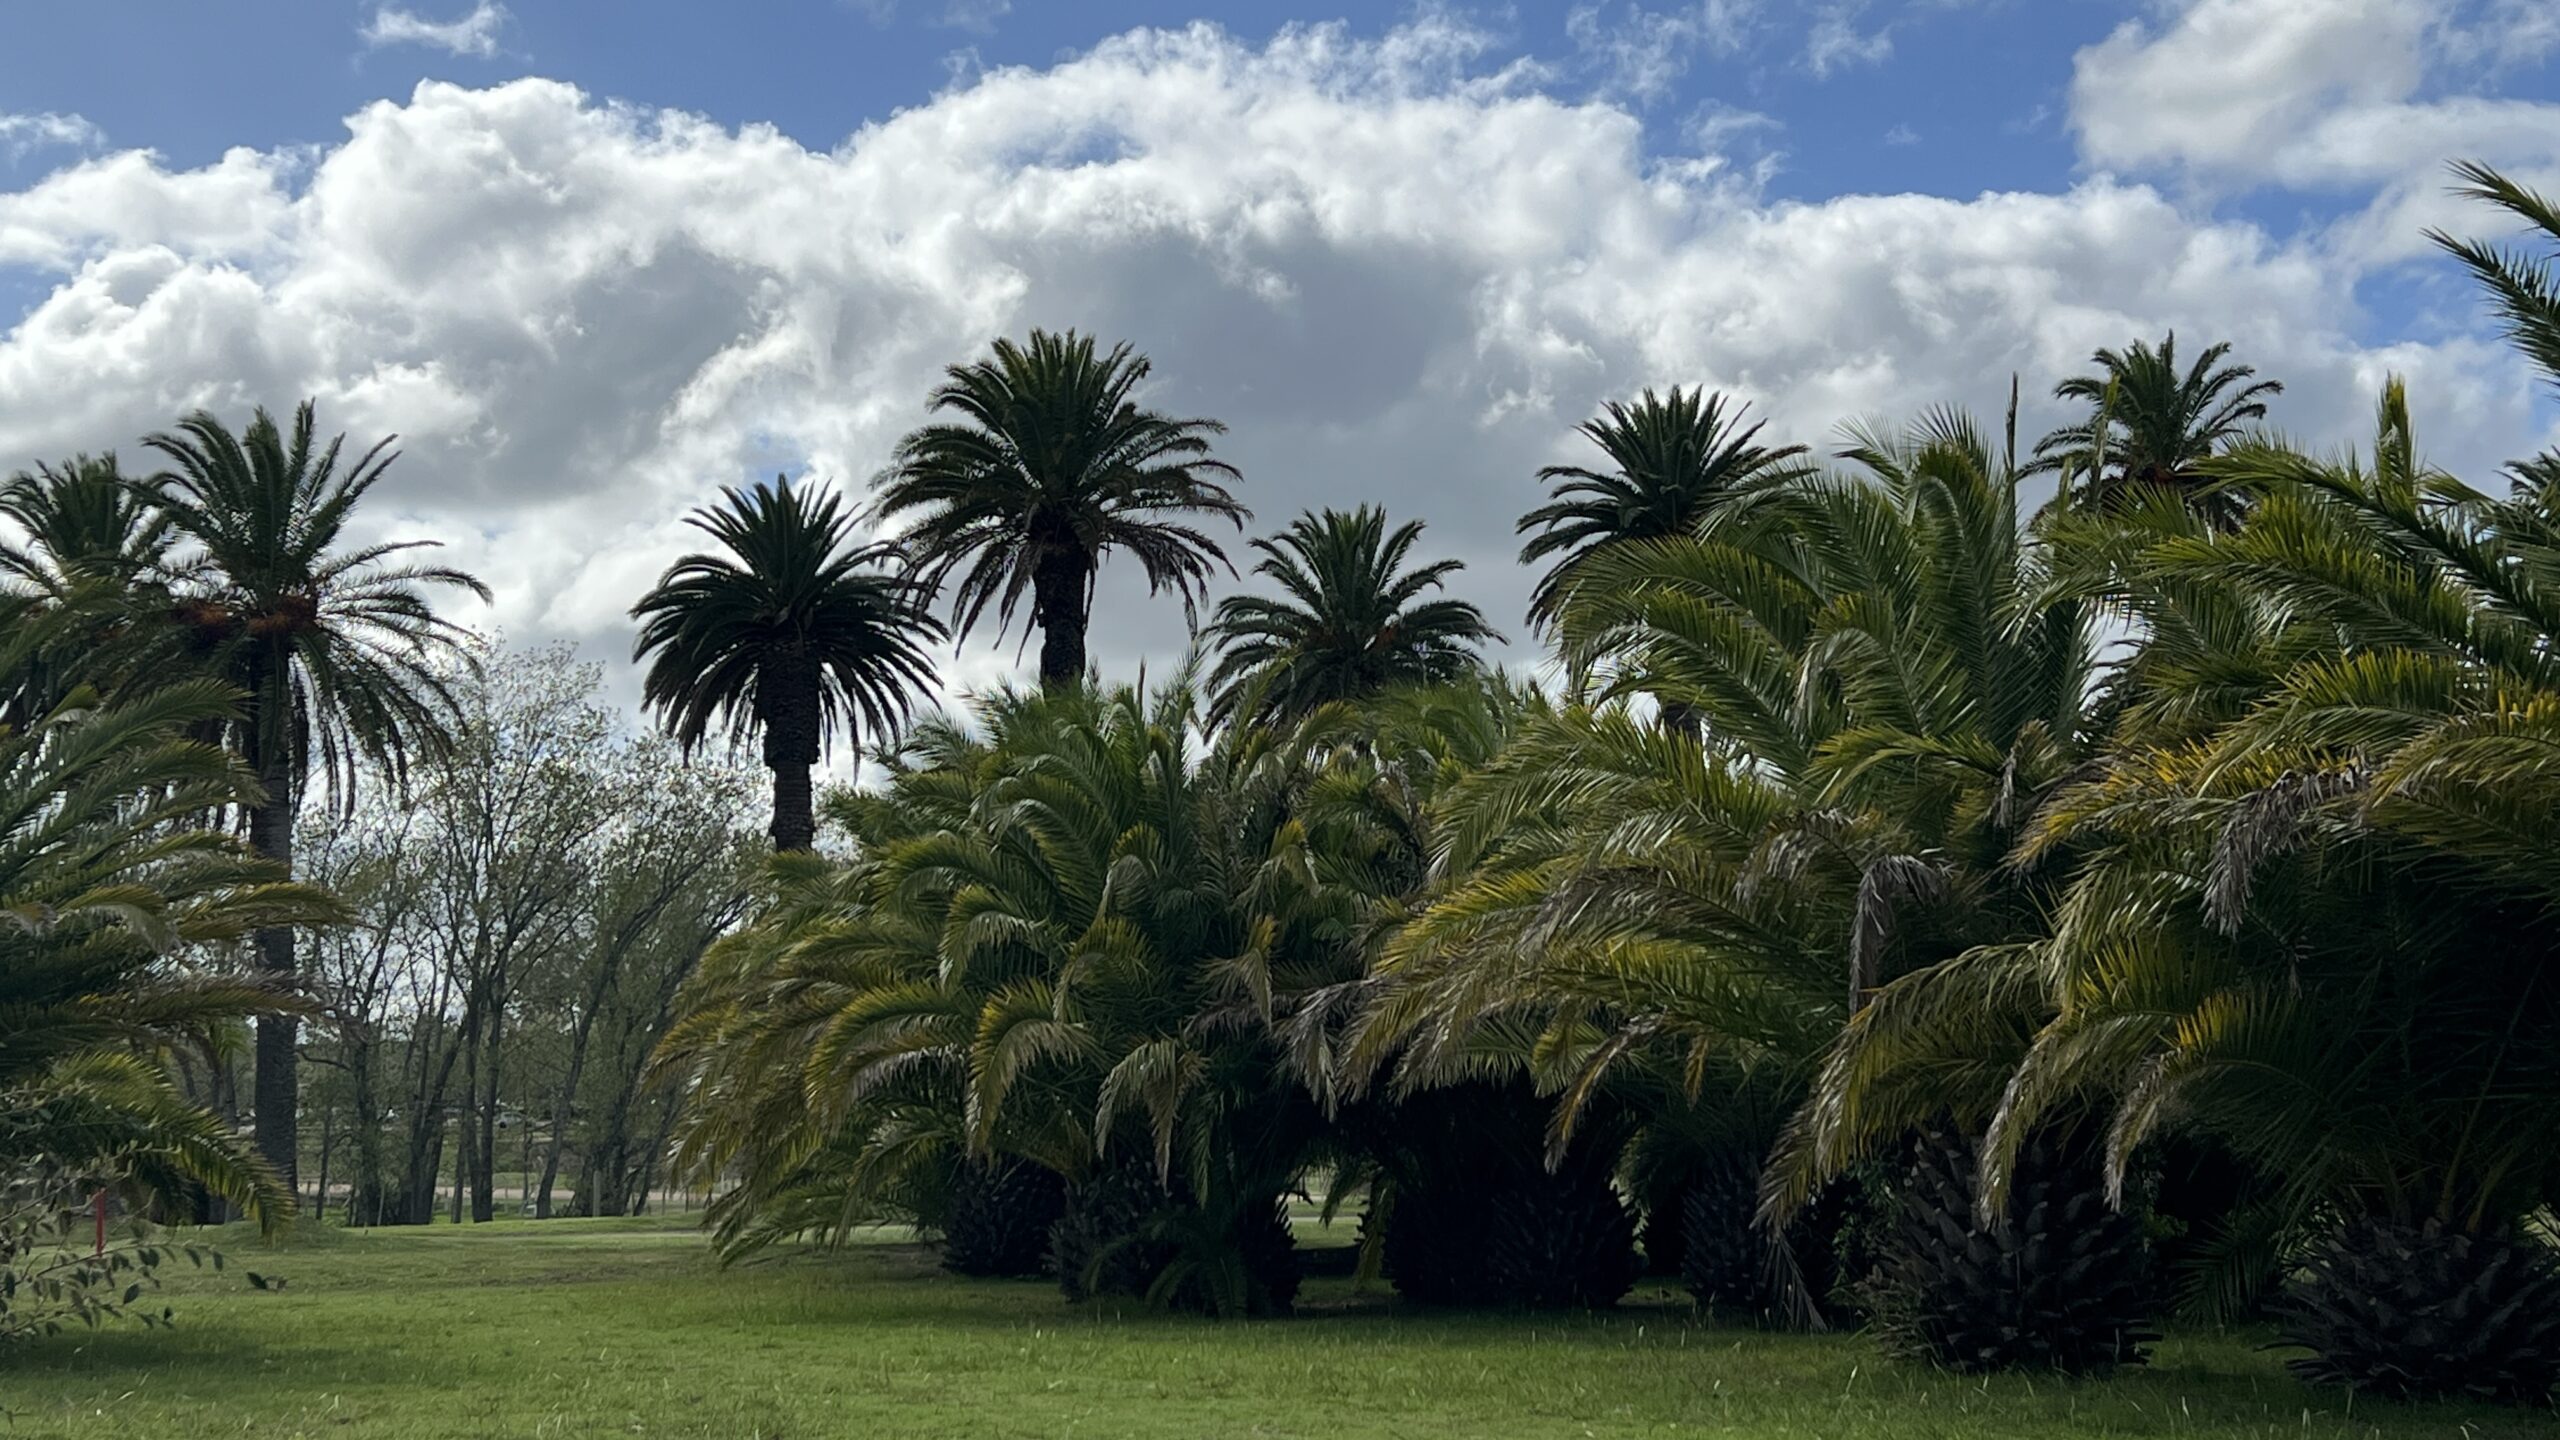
(608,967)
(366,1192)
(278,1122)
(426,1132)
(462,1115)
(484,1179)
(328,1136)
(648,1173)
(1062,599)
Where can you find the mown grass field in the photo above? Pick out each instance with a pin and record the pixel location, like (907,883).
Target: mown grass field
(628,1328)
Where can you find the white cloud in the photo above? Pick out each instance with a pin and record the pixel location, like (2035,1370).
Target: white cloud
(1836,43)
(976,16)
(23,135)
(2230,85)
(2352,97)
(1395,275)
(474,34)
(1902,134)
(1640,54)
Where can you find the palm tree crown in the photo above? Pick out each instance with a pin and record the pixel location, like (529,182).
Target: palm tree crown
(90,542)
(1350,620)
(2521,286)
(788,633)
(1670,457)
(334,649)
(2151,425)
(82,520)
(1049,467)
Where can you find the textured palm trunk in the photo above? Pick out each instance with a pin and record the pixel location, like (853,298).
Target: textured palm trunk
(1061,593)
(789,692)
(277,1097)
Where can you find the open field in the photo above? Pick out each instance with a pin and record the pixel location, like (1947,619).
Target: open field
(628,1328)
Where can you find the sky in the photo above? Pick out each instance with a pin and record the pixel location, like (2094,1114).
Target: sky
(592,261)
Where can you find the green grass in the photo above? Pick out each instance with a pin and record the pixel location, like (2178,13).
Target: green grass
(570,1327)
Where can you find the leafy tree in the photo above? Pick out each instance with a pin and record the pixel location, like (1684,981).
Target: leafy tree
(2152,426)
(1351,620)
(1671,458)
(790,634)
(332,646)
(1048,467)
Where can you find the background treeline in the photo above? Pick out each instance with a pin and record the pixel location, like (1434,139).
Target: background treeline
(523,918)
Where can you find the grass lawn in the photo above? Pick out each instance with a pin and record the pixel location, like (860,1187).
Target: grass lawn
(571,1327)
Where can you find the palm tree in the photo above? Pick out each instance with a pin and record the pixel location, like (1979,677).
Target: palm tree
(332,646)
(2150,426)
(106,877)
(2521,286)
(80,520)
(790,634)
(1071,942)
(1889,681)
(1049,468)
(1670,458)
(1350,621)
(91,541)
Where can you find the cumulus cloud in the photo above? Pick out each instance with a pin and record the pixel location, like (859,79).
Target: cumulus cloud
(2338,96)
(1398,271)
(475,34)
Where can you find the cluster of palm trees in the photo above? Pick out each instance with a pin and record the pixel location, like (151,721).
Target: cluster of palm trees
(1996,924)
(188,655)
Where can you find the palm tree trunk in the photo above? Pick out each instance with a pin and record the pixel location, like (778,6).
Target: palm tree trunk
(1061,599)
(277,1125)
(789,689)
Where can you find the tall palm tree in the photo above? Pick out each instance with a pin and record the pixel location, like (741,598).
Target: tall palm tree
(2151,426)
(1049,466)
(337,655)
(790,634)
(105,876)
(1350,620)
(1670,458)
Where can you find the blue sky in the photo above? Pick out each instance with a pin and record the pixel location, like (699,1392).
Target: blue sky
(592,260)
(1978,88)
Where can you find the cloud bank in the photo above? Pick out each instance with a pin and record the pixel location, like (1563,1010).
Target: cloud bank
(1396,268)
